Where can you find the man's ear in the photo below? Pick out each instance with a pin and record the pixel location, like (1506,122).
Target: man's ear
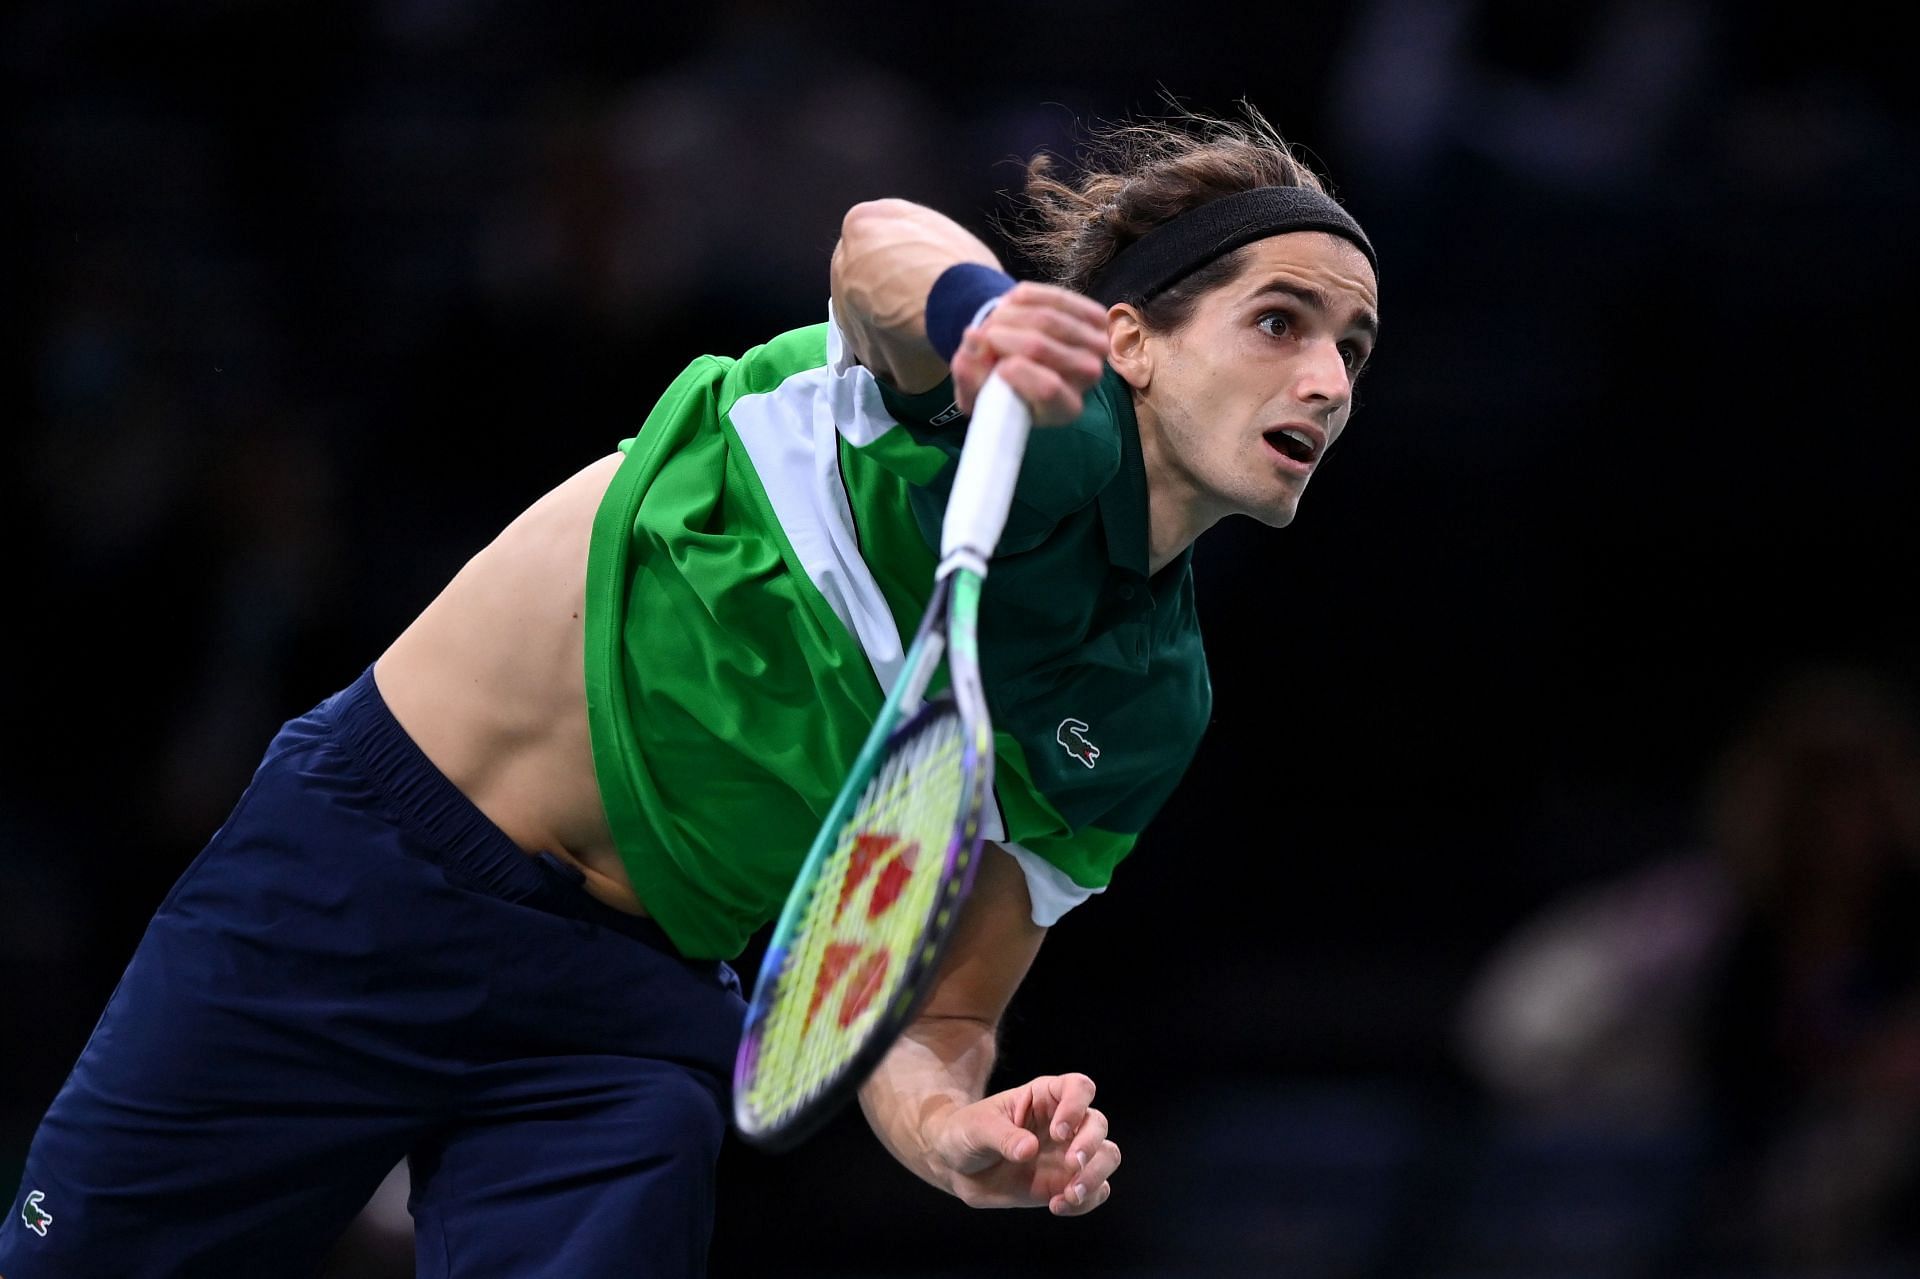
(1130,345)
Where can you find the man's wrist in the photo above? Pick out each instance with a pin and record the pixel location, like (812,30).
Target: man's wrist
(963,295)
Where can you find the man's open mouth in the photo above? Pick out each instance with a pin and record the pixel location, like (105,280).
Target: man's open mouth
(1293,444)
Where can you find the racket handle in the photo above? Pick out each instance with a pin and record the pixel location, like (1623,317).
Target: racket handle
(983,485)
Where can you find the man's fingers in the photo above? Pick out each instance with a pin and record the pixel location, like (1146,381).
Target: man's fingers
(983,350)
(1076,363)
(1052,400)
(1091,1186)
(1090,1170)
(1061,335)
(1068,1206)
(1088,1136)
(1032,293)
(1070,327)
(970,368)
(1073,1099)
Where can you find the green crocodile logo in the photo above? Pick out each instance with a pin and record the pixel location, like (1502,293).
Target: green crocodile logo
(36,1217)
(1072,735)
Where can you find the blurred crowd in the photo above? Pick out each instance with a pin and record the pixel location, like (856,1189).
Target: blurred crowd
(316,296)
(1742,1017)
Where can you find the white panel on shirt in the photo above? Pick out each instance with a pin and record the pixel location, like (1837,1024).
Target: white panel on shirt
(792,436)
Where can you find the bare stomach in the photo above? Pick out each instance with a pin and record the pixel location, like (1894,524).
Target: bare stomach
(490,681)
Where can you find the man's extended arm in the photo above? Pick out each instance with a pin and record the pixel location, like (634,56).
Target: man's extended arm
(1039,1143)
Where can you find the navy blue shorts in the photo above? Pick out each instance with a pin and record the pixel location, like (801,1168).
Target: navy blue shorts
(359,968)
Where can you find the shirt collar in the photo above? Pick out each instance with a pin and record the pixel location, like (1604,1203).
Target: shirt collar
(1123,503)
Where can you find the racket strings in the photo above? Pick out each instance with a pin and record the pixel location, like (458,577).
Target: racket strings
(854,945)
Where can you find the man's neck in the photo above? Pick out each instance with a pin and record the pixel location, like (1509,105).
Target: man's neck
(1177,513)
(1159,556)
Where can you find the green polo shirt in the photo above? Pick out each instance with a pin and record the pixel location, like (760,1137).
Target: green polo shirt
(1077,643)
(759,564)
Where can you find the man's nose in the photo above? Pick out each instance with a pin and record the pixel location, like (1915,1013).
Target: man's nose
(1324,378)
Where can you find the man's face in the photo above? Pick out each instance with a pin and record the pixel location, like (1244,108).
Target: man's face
(1240,403)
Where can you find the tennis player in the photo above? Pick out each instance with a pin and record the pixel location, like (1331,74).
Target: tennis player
(474,910)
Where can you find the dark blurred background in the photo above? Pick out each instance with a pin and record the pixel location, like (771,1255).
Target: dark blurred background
(1542,900)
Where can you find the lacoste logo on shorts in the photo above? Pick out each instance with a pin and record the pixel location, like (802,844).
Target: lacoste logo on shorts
(1070,734)
(36,1217)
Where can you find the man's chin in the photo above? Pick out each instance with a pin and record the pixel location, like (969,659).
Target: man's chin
(1277,514)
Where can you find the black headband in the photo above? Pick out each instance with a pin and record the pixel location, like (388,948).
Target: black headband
(1174,250)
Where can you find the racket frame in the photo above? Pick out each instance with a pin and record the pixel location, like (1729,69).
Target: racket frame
(900,717)
(976,513)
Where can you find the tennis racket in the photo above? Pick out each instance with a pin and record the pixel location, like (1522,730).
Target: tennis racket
(860,938)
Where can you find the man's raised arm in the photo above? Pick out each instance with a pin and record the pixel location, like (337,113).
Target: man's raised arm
(909,315)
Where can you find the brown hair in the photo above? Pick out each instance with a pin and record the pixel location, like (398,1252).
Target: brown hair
(1136,175)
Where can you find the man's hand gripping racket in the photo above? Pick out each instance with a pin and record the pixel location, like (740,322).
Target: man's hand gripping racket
(859,941)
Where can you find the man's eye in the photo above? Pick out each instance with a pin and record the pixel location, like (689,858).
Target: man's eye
(1351,355)
(1273,324)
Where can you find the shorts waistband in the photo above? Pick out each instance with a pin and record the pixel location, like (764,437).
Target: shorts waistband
(456,835)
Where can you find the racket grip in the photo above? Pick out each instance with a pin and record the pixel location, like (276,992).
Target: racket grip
(983,485)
